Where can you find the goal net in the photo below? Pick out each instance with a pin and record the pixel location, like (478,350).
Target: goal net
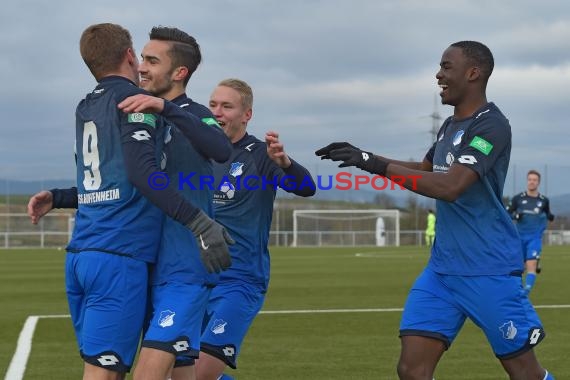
(368,227)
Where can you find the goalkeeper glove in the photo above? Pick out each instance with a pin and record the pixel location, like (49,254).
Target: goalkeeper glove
(351,156)
(550,217)
(324,152)
(213,241)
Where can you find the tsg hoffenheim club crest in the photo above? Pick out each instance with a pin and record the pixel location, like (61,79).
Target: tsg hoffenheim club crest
(236,169)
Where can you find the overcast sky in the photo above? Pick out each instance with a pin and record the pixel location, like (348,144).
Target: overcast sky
(321,71)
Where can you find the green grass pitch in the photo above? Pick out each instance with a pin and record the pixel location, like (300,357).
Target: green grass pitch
(362,288)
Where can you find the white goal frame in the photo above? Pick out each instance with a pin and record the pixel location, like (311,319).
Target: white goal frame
(377,212)
(17,231)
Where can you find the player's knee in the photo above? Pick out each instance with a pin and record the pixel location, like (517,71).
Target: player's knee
(406,371)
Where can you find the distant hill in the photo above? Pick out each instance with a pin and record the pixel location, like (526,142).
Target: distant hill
(560,205)
(32,187)
(399,197)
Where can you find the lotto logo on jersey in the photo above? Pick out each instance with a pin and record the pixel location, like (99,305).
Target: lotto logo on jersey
(141,135)
(108,360)
(229,351)
(535,335)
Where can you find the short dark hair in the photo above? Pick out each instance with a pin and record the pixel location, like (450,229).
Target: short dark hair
(532,171)
(479,54)
(103,48)
(184,51)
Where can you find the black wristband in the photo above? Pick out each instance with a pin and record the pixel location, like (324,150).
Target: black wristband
(376,166)
(64,198)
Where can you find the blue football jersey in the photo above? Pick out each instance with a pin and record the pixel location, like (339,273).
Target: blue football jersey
(243,201)
(533,213)
(112,215)
(475,234)
(189,171)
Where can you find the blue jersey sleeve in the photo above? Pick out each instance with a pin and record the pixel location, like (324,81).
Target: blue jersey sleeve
(486,139)
(137,134)
(203,133)
(298,180)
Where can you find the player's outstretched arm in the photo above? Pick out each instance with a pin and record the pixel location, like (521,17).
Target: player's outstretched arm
(44,201)
(209,140)
(351,156)
(445,186)
(140,165)
(416,177)
(549,215)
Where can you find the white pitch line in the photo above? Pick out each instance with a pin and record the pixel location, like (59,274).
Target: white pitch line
(551,306)
(329,311)
(17,366)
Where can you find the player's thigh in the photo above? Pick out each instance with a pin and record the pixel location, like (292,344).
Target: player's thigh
(115,298)
(75,295)
(430,310)
(532,247)
(176,323)
(230,313)
(502,310)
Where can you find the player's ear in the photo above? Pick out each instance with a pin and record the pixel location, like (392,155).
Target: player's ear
(131,56)
(248,115)
(473,73)
(180,73)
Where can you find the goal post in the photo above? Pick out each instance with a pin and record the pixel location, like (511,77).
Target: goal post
(362,227)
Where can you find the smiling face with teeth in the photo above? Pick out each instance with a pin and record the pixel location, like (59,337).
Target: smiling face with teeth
(453,76)
(230,103)
(462,82)
(158,74)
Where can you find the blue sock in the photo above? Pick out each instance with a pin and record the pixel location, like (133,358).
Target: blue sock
(225,377)
(529,280)
(548,376)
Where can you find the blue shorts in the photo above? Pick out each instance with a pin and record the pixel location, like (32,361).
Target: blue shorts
(230,312)
(532,247)
(107,296)
(438,304)
(176,322)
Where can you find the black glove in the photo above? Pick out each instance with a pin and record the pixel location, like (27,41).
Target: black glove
(550,217)
(213,241)
(325,152)
(352,156)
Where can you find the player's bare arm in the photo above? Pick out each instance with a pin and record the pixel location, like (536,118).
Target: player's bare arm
(445,186)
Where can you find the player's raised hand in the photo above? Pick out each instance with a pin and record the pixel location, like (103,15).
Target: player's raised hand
(39,205)
(213,241)
(324,152)
(142,103)
(276,150)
